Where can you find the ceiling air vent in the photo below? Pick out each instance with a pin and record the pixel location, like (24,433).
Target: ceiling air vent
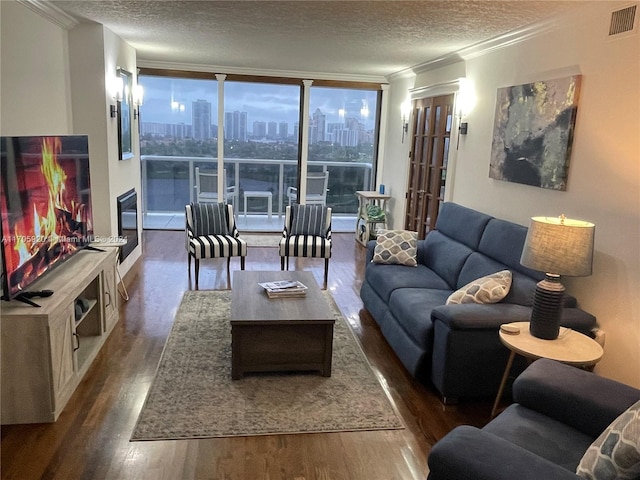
(622,20)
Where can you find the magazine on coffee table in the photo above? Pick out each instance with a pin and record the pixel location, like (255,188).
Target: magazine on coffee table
(284,288)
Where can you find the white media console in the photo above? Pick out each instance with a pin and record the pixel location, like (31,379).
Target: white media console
(46,351)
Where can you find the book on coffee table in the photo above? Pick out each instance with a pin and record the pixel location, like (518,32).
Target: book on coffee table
(284,288)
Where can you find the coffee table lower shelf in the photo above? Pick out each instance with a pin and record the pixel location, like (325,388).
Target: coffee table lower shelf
(273,347)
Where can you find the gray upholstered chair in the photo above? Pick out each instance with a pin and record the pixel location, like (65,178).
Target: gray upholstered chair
(211,233)
(307,233)
(564,420)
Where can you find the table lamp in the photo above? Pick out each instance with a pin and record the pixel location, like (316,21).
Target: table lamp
(556,246)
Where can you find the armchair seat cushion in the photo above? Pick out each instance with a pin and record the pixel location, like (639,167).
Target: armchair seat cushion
(542,435)
(217,246)
(310,246)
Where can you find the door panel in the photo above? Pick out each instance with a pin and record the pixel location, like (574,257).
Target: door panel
(433,118)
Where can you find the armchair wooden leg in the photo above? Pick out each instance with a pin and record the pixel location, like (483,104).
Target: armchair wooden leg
(281,263)
(229,271)
(326,272)
(189,264)
(197,268)
(241,263)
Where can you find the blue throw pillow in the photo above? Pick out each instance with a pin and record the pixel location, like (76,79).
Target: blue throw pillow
(308,220)
(209,219)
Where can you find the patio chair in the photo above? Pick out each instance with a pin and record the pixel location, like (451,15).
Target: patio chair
(307,233)
(207,187)
(211,233)
(316,190)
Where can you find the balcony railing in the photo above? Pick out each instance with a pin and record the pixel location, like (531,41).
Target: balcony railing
(168,182)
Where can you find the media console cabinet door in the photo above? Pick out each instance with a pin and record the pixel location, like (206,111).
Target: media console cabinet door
(110,299)
(62,367)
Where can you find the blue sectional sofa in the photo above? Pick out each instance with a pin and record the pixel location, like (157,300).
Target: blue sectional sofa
(559,411)
(456,347)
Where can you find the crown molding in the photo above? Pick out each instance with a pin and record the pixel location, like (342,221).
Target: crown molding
(195,67)
(486,46)
(443,88)
(51,13)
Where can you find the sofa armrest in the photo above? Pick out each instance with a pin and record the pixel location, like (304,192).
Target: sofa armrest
(573,396)
(469,316)
(467,453)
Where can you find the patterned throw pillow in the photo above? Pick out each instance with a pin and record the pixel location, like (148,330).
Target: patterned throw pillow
(308,220)
(489,289)
(396,247)
(615,454)
(209,219)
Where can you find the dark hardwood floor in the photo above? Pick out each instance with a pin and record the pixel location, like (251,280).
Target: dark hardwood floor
(90,440)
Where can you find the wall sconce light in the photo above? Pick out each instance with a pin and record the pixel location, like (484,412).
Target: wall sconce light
(556,246)
(138,96)
(116,88)
(405,111)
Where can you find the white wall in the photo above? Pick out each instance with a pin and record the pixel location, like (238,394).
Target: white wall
(394,161)
(34,67)
(52,82)
(604,173)
(95,54)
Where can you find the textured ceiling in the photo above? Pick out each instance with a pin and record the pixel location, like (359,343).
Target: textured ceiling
(375,38)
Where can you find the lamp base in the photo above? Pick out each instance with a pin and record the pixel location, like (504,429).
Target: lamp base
(547,308)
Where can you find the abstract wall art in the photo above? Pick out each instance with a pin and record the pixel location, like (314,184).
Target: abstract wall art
(533,132)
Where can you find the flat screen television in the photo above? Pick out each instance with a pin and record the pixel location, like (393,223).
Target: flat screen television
(45,201)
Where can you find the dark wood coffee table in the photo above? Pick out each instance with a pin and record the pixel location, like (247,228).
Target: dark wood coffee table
(279,334)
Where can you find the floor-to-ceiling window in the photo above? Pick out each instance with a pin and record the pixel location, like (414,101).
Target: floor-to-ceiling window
(178,132)
(342,138)
(260,118)
(261,122)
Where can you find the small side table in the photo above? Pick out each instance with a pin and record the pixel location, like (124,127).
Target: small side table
(258,194)
(571,347)
(115,243)
(364,224)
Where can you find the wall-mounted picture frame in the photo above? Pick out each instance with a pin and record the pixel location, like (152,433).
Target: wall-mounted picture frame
(125,105)
(533,132)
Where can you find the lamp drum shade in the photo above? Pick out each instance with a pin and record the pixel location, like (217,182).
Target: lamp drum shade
(559,245)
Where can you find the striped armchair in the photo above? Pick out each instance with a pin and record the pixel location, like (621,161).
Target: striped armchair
(307,233)
(211,233)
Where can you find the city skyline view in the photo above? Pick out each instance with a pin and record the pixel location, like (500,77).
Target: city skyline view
(170,101)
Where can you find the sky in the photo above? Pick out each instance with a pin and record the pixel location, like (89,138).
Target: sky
(262,102)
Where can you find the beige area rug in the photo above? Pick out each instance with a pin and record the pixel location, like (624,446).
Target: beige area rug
(193,395)
(262,239)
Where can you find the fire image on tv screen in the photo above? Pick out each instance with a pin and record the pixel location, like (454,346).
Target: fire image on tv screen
(45,201)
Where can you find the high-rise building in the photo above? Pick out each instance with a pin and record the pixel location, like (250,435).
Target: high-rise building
(317,127)
(201,119)
(283,130)
(235,126)
(259,129)
(272,130)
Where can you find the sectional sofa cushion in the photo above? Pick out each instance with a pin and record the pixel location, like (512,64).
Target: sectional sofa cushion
(385,279)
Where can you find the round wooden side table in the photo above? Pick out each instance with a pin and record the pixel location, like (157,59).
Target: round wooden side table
(571,347)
